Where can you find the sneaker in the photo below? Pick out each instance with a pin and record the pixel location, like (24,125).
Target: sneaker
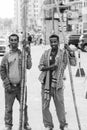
(8,128)
(27,127)
(65,127)
(47,128)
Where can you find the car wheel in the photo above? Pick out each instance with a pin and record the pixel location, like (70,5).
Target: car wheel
(85,47)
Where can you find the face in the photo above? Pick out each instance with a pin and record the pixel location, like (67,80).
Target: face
(13,42)
(54,43)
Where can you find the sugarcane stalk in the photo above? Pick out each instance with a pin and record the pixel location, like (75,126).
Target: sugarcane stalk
(23,76)
(69,68)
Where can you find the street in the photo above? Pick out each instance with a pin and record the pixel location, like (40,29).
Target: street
(34,96)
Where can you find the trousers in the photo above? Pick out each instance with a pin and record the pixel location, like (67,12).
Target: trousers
(58,99)
(9,101)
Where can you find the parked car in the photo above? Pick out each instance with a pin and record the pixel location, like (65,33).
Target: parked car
(2,46)
(83,42)
(79,41)
(74,40)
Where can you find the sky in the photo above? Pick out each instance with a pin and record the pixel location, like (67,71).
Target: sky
(6,8)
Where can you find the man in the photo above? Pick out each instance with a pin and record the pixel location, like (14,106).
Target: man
(52,64)
(10,70)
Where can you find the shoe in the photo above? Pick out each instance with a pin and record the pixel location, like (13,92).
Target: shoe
(27,127)
(65,127)
(8,128)
(47,128)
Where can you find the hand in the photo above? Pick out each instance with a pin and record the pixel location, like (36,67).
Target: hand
(23,42)
(9,89)
(26,46)
(27,49)
(72,54)
(66,46)
(46,104)
(54,67)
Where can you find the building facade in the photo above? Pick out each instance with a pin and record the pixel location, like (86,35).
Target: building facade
(17,15)
(84,13)
(79,10)
(32,13)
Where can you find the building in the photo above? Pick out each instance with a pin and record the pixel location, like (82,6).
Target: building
(17,15)
(79,15)
(74,16)
(32,13)
(51,20)
(84,14)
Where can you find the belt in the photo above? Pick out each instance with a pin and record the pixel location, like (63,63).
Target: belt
(15,85)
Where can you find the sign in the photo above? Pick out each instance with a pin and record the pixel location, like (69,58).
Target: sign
(73,21)
(73,15)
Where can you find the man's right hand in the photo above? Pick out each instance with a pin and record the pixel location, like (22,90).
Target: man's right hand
(9,89)
(66,46)
(54,67)
(7,85)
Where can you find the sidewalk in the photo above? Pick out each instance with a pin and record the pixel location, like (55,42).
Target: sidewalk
(34,98)
(81,102)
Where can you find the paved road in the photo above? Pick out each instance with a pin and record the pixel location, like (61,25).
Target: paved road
(34,97)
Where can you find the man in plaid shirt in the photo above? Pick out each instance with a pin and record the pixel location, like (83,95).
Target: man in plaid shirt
(10,71)
(52,65)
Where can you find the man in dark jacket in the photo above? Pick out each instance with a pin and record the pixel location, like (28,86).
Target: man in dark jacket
(10,70)
(52,65)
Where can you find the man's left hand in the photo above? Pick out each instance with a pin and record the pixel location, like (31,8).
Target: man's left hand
(66,46)
(71,52)
(27,48)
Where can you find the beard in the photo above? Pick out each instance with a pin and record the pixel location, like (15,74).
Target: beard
(55,48)
(14,47)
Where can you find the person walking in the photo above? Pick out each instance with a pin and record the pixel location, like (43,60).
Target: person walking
(52,65)
(10,71)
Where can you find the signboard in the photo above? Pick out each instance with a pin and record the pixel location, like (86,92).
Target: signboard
(73,15)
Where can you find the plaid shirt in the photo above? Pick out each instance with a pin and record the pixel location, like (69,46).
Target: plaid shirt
(4,67)
(57,75)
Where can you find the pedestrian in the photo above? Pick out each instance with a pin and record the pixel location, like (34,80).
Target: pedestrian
(29,38)
(52,65)
(10,71)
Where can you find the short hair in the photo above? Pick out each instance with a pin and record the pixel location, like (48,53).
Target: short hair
(54,35)
(14,35)
(29,38)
